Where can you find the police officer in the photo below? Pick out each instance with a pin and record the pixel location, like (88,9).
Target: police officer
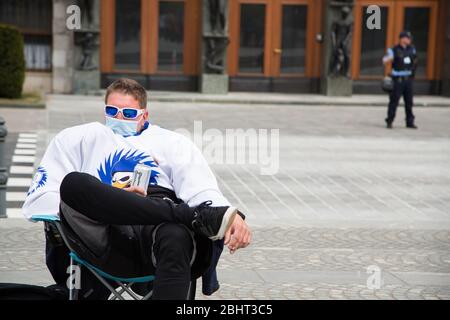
(404,61)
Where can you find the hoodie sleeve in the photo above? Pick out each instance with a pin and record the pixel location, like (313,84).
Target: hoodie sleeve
(192,178)
(63,155)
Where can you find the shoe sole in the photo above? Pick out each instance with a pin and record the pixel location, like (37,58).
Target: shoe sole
(227,220)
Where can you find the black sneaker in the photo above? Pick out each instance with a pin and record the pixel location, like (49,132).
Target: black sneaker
(388,124)
(213,222)
(412,126)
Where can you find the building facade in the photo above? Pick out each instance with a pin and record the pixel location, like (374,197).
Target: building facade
(274,45)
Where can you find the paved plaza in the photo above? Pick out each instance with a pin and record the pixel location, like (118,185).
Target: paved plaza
(349,197)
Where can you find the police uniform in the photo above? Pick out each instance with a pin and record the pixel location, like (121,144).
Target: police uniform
(403,68)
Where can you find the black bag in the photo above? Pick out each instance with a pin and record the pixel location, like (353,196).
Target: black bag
(387,84)
(15,291)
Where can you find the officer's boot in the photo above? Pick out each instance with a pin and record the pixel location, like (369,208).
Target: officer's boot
(388,123)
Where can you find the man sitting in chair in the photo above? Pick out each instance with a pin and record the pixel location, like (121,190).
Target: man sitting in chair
(174,230)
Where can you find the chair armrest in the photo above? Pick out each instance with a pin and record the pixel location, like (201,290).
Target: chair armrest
(45,218)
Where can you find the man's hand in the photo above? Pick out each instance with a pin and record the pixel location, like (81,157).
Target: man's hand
(387,60)
(138,190)
(238,235)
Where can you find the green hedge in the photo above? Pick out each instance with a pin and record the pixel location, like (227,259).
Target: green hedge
(12,62)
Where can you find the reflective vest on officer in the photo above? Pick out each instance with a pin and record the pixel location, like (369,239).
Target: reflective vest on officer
(404,62)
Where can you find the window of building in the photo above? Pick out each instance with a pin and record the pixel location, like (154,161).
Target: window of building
(373,44)
(150,36)
(34,20)
(171,36)
(293,37)
(128,35)
(274,38)
(417,21)
(251,51)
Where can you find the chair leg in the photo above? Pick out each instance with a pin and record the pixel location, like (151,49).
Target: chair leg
(126,287)
(120,291)
(73,290)
(148,295)
(192,289)
(107,285)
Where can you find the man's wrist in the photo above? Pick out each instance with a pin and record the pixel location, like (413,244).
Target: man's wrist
(241,214)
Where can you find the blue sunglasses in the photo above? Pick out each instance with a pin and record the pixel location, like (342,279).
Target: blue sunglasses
(128,113)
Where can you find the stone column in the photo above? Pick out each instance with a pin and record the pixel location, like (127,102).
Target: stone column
(62,55)
(337,44)
(446,66)
(86,75)
(213,77)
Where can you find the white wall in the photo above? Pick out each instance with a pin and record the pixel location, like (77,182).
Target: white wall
(39,82)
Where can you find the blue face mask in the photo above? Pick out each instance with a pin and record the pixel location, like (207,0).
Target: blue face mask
(125,128)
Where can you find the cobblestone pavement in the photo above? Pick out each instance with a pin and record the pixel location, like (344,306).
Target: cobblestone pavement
(349,196)
(322,291)
(293,263)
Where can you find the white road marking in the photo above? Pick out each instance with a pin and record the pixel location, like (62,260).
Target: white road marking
(26,146)
(24,159)
(26,140)
(16,196)
(25,152)
(21,170)
(15,213)
(28,135)
(18,182)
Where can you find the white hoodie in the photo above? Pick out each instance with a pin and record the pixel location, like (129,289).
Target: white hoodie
(177,164)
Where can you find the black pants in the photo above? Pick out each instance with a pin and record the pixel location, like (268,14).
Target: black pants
(402,87)
(128,235)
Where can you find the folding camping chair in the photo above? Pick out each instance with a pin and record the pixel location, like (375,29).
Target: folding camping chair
(123,283)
